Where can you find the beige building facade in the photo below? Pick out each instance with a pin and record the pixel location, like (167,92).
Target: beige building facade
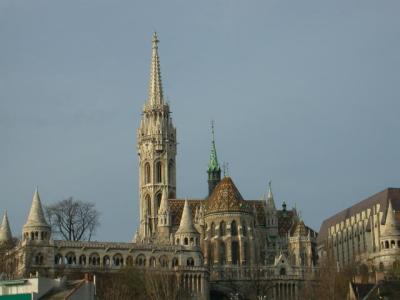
(367,233)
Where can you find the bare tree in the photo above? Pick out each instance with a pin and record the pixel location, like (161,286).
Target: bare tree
(73,220)
(137,283)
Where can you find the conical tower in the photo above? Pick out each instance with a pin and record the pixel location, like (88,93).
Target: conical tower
(214,170)
(187,234)
(5,231)
(36,226)
(156,144)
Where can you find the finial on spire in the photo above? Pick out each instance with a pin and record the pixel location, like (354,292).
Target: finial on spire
(155,40)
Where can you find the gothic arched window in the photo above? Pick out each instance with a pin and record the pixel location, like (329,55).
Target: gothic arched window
(234,230)
(158,197)
(244,229)
(190,262)
(212,229)
(147,173)
(222,228)
(148,204)
(158,172)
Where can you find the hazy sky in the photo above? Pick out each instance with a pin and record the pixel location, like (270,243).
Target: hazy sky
(303,93)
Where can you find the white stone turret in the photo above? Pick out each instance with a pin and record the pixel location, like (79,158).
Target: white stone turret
(5,231)
(164,218)
(36,227)
(187,234)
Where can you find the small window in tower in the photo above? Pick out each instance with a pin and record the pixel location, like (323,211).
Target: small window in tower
(158,172)
(147,173)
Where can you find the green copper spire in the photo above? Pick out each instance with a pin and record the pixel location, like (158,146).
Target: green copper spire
(214,170)
(213,165)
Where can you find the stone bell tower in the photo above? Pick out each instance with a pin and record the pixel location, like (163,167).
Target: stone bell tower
(156,143)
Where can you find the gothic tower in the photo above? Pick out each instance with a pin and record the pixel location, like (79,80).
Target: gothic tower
(156,142)
(214,170)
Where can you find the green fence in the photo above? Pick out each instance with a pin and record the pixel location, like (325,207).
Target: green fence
(16,297)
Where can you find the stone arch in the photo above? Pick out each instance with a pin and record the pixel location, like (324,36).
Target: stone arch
(164,262)
(387,244)
(58,259)
(94,259)
(282,271)
(82,260)
(118,260)
(106,260)
(70,258)
(152,262)
(141,260)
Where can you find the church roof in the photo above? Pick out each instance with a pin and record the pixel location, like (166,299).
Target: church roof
(226,197)
(36,215)
(176,208)
(5,231)
(379,198)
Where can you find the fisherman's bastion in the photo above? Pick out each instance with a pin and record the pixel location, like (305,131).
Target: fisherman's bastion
(211,243)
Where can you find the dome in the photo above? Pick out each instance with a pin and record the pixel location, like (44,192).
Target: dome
(226,197)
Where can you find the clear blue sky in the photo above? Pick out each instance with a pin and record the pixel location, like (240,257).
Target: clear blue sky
(303,93)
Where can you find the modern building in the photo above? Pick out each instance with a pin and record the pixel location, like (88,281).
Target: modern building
(367,233)
(215,244)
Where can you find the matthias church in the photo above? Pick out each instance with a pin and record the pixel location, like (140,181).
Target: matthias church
(213,244)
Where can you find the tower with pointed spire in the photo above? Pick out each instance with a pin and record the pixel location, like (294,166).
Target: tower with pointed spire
(156,144)
(36,227)
(271,213)
(214,170)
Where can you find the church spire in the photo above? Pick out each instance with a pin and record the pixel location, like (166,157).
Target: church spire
(214,170)
(270,197)
(186,224)
(155,84)
(5,231)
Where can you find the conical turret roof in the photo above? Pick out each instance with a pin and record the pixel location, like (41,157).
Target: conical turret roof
(36,215)
(186,225)
(164,202)
(5,231)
